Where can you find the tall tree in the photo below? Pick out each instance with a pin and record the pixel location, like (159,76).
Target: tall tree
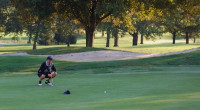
(148,29)
(64,30)
(90,13)
(3,12)
(191,18)
(139,20)
(171,21)
(34,13)
(107,26)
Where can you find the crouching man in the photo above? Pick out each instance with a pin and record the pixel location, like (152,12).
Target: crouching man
(47,70)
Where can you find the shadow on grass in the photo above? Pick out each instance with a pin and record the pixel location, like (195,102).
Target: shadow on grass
(161,45)
(61,50)
(32,64)
(24,64)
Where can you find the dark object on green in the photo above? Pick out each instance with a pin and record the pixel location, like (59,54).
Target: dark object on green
(67,92)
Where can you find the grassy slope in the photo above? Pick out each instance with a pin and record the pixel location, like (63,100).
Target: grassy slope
(162,83)
(29,64)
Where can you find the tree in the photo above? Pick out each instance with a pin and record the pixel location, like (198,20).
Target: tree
(111,29)
(11,23)
(116,37)
(46,34)
(148,29)
(191,18)
(139,19)
(64,30)
(171,21)
(3,12)
(30,31)
(90,13)
(195,36)
(34,13)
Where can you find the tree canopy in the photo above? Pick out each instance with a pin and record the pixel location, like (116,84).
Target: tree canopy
(145,17)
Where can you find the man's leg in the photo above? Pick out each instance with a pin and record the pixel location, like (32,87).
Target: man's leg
(54,74)
(48,80)
(50,77)
(41,78)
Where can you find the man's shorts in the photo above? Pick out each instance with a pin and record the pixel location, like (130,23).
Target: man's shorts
(46,75)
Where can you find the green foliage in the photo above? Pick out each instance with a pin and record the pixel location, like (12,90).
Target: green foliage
(134,16)
(13,24)
(64,31)
(150,29)
(15,38)
(71,39)
(46,34)
(41,8)
(35,14)
(3,14)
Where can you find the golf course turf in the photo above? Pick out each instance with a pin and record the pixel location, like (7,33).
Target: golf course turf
(161,83)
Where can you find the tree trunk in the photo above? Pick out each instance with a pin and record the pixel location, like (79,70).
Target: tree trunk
(90,31)
(108,38)
(35,41)
(135,39)
(187,37)
(68,44)
(194,40)
(94,35)
(92,24)
(102,34)
(36,35)
(116,37)
(174,37)
(30,38)
(142,39)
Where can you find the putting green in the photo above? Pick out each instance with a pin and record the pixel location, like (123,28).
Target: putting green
(125,91)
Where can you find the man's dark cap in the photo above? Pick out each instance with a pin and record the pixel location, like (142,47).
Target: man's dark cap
(49,58)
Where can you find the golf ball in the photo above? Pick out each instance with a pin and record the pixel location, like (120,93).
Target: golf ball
(104,91)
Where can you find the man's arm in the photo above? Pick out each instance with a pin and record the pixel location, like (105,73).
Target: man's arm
(53,68)
(42,68)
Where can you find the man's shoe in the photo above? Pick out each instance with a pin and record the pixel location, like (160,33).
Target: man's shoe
(40,83)
(48,83)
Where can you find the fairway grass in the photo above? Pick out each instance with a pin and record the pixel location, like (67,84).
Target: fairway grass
(63,49)
(125,44)
(161,83)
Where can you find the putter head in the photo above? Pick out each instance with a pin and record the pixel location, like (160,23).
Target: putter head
(67,92)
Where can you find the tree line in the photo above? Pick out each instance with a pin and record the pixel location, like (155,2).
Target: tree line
(42,19)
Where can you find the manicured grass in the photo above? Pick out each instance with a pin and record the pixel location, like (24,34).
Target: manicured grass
(125,44)
(30,64)
(42,50)
(62,49)
(163,83)
(160,83)
(125,91)
(157,48)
